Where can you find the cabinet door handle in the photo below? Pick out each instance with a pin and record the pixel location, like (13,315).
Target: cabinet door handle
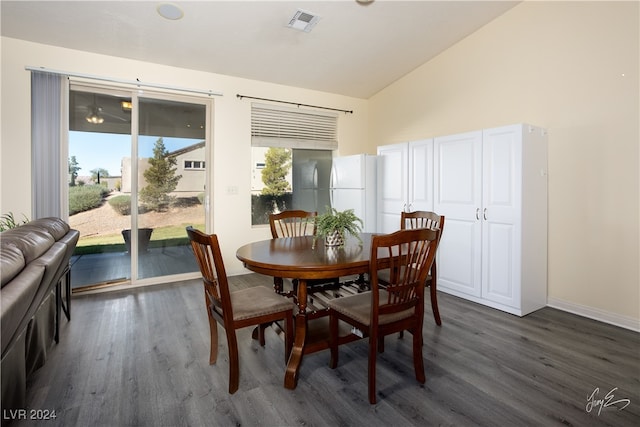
(478,213)
(484,214)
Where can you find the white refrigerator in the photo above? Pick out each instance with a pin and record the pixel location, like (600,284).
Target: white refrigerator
(353,186)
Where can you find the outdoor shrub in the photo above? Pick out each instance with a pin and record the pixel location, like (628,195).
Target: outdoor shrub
(85,197)
(121,204)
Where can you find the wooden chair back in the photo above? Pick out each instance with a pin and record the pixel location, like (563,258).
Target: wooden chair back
(408,254)
(421,219)
(216,286)
(292,223)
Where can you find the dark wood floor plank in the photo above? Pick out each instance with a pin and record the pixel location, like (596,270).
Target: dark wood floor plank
(140,358)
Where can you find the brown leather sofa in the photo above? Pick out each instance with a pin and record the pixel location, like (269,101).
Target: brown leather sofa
(34,259)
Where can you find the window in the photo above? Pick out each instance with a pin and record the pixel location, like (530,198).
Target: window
(194,164)
(291,159)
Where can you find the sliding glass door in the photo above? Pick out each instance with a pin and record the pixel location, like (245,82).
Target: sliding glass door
(171,184)
(137,174)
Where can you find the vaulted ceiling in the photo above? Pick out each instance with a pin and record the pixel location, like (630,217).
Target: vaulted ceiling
(355,48)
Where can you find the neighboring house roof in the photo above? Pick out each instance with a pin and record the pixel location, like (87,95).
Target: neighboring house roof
(186,149)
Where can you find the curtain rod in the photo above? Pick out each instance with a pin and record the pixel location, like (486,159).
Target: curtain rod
(135,82)
(294,103)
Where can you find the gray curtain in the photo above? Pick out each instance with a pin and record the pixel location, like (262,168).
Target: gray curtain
(49,94)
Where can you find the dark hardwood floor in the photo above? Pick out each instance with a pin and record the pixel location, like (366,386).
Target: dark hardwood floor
(140,357)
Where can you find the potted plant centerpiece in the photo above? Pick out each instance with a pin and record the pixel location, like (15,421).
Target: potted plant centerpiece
(333,226)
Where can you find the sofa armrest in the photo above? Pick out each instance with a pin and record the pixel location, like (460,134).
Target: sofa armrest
(69,240)
(16,298)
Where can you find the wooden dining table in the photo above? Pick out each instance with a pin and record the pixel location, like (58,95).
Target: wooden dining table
(305,258)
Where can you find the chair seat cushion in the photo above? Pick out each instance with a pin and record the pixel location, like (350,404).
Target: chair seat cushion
(358,307)
(258,301)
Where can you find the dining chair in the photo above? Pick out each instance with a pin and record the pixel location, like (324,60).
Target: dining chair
(291,223)
(253,306)
(294,223)
(408,254)
(426,219)
(422,219)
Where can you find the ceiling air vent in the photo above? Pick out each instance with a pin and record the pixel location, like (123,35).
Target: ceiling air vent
(303,21)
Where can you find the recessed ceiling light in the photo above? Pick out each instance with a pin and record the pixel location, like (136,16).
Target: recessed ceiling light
(170,11)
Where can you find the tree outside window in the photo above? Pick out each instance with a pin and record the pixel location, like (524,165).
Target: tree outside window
(161,179)
(274,174)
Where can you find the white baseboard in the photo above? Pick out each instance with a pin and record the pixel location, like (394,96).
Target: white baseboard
(595,314)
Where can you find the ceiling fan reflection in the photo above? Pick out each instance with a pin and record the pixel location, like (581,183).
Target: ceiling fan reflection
(97,114)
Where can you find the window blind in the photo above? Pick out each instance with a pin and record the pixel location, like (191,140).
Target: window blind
(276,126)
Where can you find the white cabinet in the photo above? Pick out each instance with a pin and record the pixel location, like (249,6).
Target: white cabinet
(405,181)
(458,193)
(491,186)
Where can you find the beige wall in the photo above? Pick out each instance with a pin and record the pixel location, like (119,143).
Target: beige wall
(560,66)
(231,154)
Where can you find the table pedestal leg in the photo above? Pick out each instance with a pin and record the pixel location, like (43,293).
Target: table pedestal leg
(293,367)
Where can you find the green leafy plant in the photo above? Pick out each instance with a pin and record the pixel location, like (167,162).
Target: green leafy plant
(333,221)
(8,221)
